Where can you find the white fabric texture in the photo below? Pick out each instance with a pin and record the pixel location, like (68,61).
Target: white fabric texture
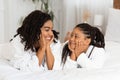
(96,60)
(113,27)
(110,71)
(6,51)
(27,60)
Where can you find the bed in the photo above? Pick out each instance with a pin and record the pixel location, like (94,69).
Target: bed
(110,71)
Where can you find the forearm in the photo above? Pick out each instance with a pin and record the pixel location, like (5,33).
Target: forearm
(73,57)
(40,55)
(49,58)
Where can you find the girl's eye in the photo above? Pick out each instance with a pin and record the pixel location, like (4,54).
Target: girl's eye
(76,36)
(72,35)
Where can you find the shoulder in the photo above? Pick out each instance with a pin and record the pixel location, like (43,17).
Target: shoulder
(16,39)
(98,51)
(16,43)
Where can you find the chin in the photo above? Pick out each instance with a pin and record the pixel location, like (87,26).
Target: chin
(72,46)
(47,41)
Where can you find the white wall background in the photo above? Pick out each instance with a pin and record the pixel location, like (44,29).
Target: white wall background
(67,14)
(73,13)
(1,21)
(13,11)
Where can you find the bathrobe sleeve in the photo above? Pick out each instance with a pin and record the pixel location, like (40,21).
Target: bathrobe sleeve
(56,51)
(24,60)
(69,64)
(96,59)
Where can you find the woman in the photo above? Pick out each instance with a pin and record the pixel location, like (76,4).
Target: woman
(85,48)
(36,43)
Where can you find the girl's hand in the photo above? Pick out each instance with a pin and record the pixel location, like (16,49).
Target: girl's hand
(79,48)
(73,55)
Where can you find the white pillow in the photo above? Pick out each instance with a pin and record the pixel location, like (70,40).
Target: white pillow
(113,27)
(6,51)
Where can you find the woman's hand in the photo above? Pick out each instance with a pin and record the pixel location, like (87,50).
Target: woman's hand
(41,51)
(42,42)
(48,43)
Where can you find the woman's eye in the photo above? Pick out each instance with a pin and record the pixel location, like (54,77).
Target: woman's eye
(47,30)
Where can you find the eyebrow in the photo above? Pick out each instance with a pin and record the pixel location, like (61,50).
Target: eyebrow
(47,27)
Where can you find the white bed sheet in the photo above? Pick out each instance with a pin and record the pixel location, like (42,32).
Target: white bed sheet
(110,71)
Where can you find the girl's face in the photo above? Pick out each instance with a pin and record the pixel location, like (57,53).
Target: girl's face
(46,31)
(78,37)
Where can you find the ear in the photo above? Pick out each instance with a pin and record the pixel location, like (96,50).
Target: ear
(88,40)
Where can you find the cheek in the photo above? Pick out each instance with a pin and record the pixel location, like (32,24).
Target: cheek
(84,43)
(44,33)
(72,46)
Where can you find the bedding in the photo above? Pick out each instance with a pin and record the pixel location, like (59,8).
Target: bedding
(6,51)
(110,71)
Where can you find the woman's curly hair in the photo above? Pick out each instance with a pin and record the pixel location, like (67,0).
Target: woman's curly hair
(30,30)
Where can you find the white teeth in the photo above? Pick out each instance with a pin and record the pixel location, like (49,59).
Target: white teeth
(48,38)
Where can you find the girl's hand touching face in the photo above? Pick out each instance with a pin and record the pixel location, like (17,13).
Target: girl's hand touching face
(80,47)
(70,47)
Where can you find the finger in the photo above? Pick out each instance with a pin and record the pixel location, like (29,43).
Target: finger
(52,40)
(77,44)
(40,39)
(69,47)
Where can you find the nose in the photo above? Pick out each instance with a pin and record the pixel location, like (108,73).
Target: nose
(50,32)
(72,38)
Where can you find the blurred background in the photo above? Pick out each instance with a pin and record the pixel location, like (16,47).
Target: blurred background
(67,14)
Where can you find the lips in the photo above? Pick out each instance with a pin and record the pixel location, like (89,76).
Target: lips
(48,38)
(72,43)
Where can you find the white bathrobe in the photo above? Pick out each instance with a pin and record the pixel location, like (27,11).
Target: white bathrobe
(27,60)
(96,59)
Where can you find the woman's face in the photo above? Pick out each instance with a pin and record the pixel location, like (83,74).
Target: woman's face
(46,31)
(77,37)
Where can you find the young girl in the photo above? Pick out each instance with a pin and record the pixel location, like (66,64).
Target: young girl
(85,48)
(36,43)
